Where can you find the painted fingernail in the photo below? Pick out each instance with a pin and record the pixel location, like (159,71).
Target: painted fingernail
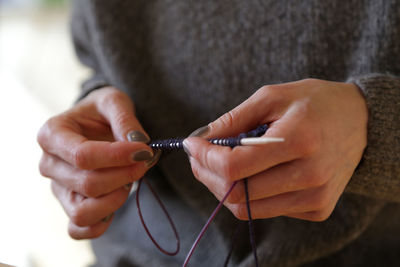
(108,218)
(142,155)
(201,132)
(137,136)
(154,159)
(186,149)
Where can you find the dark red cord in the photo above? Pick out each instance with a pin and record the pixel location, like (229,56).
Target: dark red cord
(233,242)
(171,144)
(205,227)
(196,242)
(251,225)
(171,253)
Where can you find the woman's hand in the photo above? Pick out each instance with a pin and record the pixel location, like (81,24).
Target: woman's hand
(91,164)
(325,129)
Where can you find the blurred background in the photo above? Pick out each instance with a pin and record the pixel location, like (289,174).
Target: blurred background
(39,77)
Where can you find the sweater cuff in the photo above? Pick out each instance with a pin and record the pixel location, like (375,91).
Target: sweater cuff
(378,174)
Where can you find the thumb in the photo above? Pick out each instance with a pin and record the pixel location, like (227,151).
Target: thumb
(248,115)
(118,109)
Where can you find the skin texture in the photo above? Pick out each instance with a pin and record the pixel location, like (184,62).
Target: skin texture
(89,160)
(325,129)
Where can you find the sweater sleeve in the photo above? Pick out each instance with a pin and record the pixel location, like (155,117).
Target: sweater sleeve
(378,174)
(82,41)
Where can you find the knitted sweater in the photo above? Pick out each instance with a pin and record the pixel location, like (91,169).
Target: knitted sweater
(184,63)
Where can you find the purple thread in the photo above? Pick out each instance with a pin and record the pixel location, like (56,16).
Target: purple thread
(233,241)
(176,143)
(210,219)
(166,214)
(251,225)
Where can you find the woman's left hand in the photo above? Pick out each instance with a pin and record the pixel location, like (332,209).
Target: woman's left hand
(325,129)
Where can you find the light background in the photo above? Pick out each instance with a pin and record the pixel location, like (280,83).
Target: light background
(39,77)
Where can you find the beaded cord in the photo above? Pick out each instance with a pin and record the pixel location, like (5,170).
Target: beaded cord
(177,143)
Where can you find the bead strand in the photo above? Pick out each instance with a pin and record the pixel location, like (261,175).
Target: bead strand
(177,143)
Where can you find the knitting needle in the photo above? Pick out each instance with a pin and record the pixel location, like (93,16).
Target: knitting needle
(172,144)
(249,141)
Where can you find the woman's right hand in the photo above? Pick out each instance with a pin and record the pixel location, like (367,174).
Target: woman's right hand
(92,164)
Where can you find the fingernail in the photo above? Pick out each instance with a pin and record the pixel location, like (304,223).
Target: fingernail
(154,159)
(201,132)
(186,149)
(142,155)
(108,218)
(137,136)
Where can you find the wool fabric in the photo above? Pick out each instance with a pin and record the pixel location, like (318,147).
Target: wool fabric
(184,63)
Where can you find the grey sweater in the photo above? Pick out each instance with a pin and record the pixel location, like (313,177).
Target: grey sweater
(184,63)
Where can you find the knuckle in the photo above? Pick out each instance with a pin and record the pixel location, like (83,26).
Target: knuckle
(73,233)
(269,90)
(77,216)
(320,201)
(229,169)
(266,89)
(320,216)
(79,158)
(43,166)
(236,195)
(88,185)
(239,211)
(46,130)
(228,118)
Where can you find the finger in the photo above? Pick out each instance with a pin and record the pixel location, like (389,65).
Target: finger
(88,211)
(324,211)
(90,183)
(287,177)
(265,105)
(337,185)
(245,161)
(99,154)
(217,185)
(60,138)
(86,232)
(310,200)
(237,163)
(117,108)
(292,176)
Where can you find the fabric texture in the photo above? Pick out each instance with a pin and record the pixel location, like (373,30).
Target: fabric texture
(184,63)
